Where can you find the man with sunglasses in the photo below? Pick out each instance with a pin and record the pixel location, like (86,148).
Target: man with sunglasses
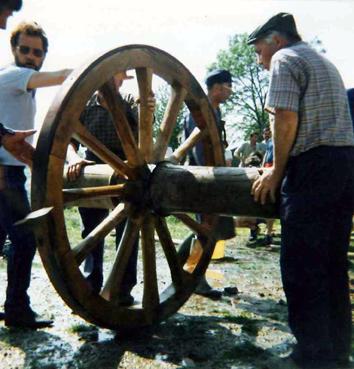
(17,110)
(14,141)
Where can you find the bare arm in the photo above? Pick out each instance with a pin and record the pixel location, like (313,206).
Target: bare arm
(46,79)
(76,163)
(285,128)
(284,134)
(17,146)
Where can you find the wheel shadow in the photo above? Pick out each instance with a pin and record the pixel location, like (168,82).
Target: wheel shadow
(36,349)
(208,342)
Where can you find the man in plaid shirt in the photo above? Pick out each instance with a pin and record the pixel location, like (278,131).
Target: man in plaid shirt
(313,166)
(97,119)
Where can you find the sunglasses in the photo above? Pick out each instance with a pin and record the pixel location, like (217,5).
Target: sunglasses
(25,50)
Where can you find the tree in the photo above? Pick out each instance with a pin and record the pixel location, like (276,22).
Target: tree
(250,84)
(162,97)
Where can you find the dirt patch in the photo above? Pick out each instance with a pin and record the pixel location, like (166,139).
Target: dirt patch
(238,332)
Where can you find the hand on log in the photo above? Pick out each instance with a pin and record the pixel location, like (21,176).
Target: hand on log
(75,168)
(267,183)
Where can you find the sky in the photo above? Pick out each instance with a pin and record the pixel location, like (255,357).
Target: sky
(193,31)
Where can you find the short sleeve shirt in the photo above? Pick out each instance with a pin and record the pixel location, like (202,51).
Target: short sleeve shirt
(17,104)
(305,82)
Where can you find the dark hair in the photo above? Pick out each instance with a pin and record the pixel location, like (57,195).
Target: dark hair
(30,29)
(11,4)
(254,159)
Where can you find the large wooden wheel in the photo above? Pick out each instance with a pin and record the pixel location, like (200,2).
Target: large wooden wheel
(63,256)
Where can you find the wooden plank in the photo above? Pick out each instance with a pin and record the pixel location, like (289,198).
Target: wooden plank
(83,249)
(151,292)
(196,136)
(87,139)
(113,284)
(170,251)
(77,194)
(116,107)
(146,116)
(174,106)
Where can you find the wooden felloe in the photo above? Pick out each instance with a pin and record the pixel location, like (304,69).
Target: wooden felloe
(142,190)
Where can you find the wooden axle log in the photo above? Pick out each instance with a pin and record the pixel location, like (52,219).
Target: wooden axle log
(207,190)
(173,189)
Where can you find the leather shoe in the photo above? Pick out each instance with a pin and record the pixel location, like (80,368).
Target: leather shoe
(30,321)
(205,290)
(125,299)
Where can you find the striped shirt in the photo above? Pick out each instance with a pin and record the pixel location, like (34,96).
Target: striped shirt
(303,81)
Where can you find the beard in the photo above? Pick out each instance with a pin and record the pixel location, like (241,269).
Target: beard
(27,64)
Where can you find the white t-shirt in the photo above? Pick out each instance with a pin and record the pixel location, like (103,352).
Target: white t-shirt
(17,104)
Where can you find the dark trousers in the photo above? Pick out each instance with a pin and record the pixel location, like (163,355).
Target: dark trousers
(317,204)
(3,236)
(14,205)
(93,268)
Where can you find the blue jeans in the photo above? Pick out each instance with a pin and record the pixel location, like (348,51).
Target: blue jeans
(93,268)
(317,204)
(14,205)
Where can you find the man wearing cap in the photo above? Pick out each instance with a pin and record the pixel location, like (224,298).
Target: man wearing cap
(97,119)
(219,86)
(313,167)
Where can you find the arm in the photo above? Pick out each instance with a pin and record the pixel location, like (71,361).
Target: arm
(284,134)
(16,145)
(75,163)
(46,79)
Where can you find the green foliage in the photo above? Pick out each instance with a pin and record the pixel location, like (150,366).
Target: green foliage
(162,98)
(250,84)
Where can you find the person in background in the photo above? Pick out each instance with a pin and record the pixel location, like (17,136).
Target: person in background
(249,148)
(97,119)
(313,167)
(219,86)
(268,163)
(19,82)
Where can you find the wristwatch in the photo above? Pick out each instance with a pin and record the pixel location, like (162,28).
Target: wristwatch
(5,131)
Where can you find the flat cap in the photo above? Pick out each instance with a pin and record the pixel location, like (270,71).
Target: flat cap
(282,22)
(218,76)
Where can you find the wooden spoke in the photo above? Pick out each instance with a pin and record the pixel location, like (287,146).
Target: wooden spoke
(115,104)
(169,121)
(82,250)
(96,146)
(127,179)
(196,227)
(187,145)
(151,293)
(77,194)
(170,251)
(146,116)
(113,284)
